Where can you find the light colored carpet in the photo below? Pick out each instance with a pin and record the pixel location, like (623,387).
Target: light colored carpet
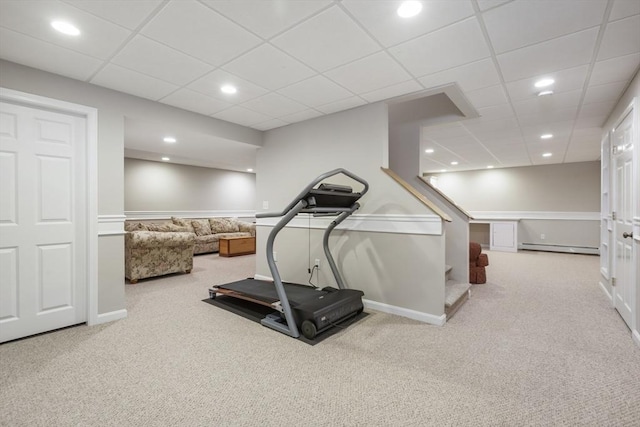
(538,344)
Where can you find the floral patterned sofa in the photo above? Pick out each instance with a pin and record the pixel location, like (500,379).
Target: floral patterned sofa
(208,231)
(156,253)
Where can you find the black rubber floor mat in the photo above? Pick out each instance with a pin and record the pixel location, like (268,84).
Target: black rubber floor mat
(257,312)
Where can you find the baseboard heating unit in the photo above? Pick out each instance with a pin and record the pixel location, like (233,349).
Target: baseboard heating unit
(587,250)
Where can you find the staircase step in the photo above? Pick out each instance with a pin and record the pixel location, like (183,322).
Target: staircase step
(447,270)
(456,294)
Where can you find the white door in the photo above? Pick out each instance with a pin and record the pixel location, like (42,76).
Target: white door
(623,291)
(43,214)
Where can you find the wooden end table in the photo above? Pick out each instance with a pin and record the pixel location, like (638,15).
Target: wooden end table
(234,246)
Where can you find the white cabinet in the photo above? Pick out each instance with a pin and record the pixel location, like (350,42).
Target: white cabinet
(504,236)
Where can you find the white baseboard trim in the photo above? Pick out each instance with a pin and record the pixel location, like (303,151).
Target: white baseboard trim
(559,248)
(606,292)
(390,309)
(636,337)
(405,312)
(111,316)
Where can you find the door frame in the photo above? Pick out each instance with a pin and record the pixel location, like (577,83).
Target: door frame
(91,158)
(633,109)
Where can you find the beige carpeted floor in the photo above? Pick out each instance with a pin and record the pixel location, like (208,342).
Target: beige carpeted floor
(538,344)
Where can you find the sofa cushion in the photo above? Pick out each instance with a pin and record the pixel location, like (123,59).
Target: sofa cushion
(154,239)
(135,226)
(169,227)
(183,222)
(201,227)
(223,225)
(209,238)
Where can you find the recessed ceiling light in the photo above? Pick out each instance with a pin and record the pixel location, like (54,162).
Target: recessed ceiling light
(443,170)
(169,139)
(490,167)
(545,93)
(429,150)
(454,163)
(165,159)
(249,170)
(228,89)
(544,82)
(409,8)
(65,28)
(546,136)
(547,155)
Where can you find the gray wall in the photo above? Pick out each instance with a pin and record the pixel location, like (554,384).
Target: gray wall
(112,108)
(356,140)
(159,186)
(536,191)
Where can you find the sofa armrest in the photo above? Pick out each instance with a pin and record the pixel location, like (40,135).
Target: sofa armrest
(247,228)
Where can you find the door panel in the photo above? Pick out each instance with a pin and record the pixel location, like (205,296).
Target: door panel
(42,221)
(623,291)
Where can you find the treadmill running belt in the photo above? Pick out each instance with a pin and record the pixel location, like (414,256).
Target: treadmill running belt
(266,291)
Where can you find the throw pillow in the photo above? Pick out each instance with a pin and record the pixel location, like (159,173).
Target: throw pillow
(223,225)
(169,227)
(135,226)
(201,227)
(183,222)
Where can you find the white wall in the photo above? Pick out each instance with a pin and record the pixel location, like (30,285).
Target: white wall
(158,186)
(391,268)
(538,193)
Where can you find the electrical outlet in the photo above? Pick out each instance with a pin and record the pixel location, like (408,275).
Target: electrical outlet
(265,204)
(317,263)
(542,236)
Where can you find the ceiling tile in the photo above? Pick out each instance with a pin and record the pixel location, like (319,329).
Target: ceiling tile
(211,83)
(621,38)
(392,91)
(241,116)
(557,115)
(157,60)
(573,157)
(476,75)
(302,115)
(274,105)
(597,109)
(195,101)
(344,104)
(487,97)
(266,18)
(269,124)
(98,37)
(495,112)
(449,47)
(523,23)
(558,129)
(317,90)
(616,69)
(488,4)
(127,13)
(547,104)
(565,81)
(381,19)
(447,130)
(124,80)
(32,52)
(327,40)
(268,67)
(603,93)
(359,77)
(198,31)
(624,8)
(553,55)
(590,121)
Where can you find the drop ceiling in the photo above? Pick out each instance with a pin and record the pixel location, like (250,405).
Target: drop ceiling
(296,60)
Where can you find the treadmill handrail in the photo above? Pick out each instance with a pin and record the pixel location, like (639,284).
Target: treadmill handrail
(311,186)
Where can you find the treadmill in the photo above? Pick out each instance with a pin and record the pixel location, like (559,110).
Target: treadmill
(304,307)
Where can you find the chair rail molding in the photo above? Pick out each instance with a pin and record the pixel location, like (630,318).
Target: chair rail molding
(111,225)
(535,215)
(162,215)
